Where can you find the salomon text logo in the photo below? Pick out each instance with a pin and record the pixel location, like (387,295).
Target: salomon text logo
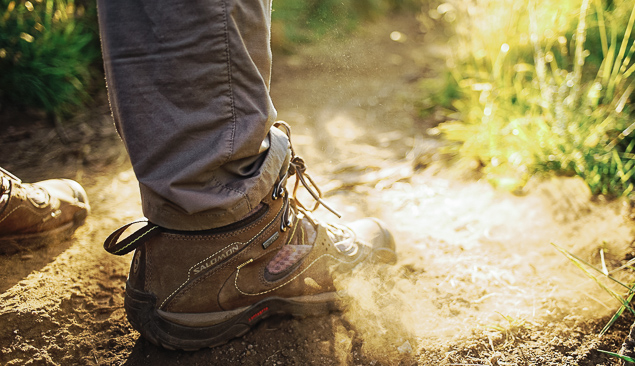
(217,258)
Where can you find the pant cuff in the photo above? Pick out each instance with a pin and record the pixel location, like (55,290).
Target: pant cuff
(163,212)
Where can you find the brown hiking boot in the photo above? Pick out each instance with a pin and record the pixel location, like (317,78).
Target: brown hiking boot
(188,290)
(32,215)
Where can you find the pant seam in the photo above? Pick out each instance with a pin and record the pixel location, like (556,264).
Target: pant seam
(229,82)
(242,194)
(232,103)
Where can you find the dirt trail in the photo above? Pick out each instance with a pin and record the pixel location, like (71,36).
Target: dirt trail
(478,282)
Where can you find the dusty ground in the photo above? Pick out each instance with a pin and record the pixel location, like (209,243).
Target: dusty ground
(478,282)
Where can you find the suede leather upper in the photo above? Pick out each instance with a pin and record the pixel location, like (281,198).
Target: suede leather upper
(37,209)
(224,269)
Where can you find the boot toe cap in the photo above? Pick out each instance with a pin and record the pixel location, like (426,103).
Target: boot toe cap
(374,233)
(78,192)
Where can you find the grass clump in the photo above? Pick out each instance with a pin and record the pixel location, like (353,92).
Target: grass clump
(544,87)
(599,276)
(47,50)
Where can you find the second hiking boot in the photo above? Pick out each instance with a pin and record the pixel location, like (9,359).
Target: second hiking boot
(32,215)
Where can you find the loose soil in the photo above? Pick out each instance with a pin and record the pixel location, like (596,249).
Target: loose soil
(477,283)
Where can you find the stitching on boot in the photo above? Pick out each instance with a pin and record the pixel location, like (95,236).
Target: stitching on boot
(134,241)
(295,227)
(21,206)
(284,284)
(189,272)
(203,277)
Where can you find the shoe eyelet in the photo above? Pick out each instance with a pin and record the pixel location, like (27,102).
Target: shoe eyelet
(277,193)
(285,225)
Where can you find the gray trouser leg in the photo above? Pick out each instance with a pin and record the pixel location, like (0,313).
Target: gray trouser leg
(188,84)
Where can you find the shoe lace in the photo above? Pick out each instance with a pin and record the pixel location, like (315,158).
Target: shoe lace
(343,238)
(5,188)
(8,174)
(297,167)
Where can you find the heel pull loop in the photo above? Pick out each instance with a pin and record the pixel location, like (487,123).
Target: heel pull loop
(127,245)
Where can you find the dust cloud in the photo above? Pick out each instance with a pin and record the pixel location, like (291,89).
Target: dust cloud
(479,262)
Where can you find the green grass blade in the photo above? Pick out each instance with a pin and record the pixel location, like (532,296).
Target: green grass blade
(575,258)
(622,103)
(629,72)
(581,264)
(580,38)
(599,11)
(620,56)
(625,358)
(616,316)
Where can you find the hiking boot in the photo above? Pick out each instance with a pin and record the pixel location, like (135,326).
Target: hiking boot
(32,215)
(189,290)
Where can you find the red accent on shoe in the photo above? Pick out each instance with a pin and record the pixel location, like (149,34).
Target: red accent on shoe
(258,313)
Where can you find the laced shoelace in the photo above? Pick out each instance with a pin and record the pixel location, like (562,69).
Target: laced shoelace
(297,168)
(343,237)
(5,177)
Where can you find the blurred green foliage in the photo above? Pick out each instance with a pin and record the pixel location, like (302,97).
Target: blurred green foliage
(50,56)
(542,87)
(304,21)
(48,49)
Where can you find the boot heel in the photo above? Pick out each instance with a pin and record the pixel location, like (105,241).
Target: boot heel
(142,314)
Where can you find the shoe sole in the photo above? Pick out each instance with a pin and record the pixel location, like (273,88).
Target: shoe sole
(142,313)
(17,243)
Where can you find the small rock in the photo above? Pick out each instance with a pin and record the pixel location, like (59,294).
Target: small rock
(405,348)
(493,360)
